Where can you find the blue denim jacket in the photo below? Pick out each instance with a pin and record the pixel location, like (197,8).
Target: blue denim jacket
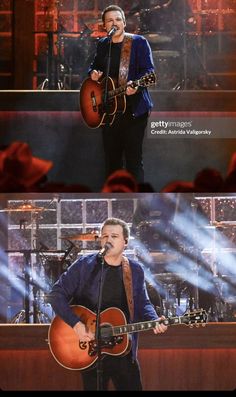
(81,282)
(141,62)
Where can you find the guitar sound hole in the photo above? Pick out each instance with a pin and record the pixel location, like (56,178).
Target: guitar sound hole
(108,339)
(106,332)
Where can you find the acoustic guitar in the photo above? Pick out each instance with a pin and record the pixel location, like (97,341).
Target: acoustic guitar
(74,354)
(92,107)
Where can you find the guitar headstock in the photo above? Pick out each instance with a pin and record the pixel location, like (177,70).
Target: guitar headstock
(195,318)
(147,79)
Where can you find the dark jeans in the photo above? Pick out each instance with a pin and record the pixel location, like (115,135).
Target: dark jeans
(124,373)
(123,142)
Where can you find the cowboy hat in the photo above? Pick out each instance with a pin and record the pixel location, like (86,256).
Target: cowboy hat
(18,163)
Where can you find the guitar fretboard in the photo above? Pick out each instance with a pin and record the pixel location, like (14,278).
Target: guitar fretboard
(144,326)
(144,81)
(190,319)
(118,91)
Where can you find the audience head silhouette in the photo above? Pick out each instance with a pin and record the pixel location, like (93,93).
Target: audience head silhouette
(120,181)
(230,179)
(19,169)
(178,187)
(208,180)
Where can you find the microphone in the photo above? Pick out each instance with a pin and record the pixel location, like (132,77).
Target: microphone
(112,31)
(104,250)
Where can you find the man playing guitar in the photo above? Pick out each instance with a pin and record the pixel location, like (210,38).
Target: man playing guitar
(123,294)
(130,60)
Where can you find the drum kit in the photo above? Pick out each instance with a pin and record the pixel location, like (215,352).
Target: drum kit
(69,52)
(40,274)
(158,23)
(178,35)
(75,51)
(155,252)
(178,270)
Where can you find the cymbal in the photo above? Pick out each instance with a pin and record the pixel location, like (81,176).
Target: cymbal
(24,208)
(55,32)
(217,11)
(165,54)
(218,225)
(34,251)
(163,257)
(168,277)
(155,38)
(222,223)
(82,236)
(206,227)
(71,34)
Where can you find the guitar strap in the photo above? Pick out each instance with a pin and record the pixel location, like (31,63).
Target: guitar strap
(125,59)
(127,277)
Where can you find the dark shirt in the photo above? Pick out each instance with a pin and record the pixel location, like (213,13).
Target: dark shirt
(115,60)
(113,290)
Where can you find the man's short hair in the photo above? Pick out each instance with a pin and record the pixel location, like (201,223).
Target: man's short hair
(112,7)
(116,221)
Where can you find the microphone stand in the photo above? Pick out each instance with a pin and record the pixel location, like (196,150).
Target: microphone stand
(105,97)
(183,83)
(98,330)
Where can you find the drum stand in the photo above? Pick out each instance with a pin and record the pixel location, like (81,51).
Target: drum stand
(183,83)
(27,255)
(52,81)
(31,312)
(205,79)
(31,287)
(27,267)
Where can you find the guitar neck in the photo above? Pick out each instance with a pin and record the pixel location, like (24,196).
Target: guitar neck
(189,319)
(146,325)
(144,81)
(121,90)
